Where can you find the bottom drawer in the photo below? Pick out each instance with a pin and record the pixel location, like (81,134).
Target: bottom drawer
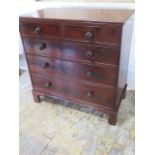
(100,95)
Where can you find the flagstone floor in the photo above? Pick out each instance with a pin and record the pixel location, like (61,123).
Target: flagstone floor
(56,127)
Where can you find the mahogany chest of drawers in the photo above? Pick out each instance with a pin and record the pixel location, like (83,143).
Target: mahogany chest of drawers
(77,55)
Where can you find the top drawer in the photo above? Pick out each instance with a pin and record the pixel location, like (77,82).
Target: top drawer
(105,33)
(40,29)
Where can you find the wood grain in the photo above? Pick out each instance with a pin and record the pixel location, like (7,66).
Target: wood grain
(69,69)
(73,51)
(71,89)
(82,14)
(75,54)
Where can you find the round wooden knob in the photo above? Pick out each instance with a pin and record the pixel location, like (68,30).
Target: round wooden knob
(89,53)
(90,93)
(48,84)
(38,29)
(90,73)
(42,46)
(88,35)
(45,65)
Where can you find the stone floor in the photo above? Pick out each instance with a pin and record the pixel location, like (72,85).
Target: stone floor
(54,127)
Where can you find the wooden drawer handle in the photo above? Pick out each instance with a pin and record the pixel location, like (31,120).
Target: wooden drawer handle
(48,84)
(90,93)
(88,35)
(89,53)
(42,46)
(45,65)
(90,73)
(38,29)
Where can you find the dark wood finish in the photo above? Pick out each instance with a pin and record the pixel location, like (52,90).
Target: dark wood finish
(36,96)
(113,118)
(99,33)
(69,69)
(41,29)
(73,51)
(107,33)
(102,95)
(76,55)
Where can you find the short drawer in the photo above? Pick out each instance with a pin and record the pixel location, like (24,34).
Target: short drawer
(74,90)
(40,29)
(107,33)
(72,51)
(73,70)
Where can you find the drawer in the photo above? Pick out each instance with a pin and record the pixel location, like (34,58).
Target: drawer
(40,29)
(73,70)
(74,90)
(72,51)
(107,33)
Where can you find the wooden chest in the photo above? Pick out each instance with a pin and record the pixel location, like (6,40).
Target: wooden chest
(76,54)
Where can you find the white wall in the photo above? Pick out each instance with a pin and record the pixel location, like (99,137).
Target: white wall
(131,67)
(38,5)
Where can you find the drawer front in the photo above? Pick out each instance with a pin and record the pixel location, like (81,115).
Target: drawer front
(41,29)
(72,51)
(69,69)
(74,90)
(106,33)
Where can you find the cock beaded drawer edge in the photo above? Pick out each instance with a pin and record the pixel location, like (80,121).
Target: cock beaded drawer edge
(78,55)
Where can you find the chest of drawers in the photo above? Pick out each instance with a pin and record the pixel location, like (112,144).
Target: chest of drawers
(77,55)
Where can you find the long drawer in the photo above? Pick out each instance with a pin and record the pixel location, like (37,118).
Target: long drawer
(73,70)
(72,89)
(72,51)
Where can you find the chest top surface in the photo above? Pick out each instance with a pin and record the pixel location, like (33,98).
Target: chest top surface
(81,14)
